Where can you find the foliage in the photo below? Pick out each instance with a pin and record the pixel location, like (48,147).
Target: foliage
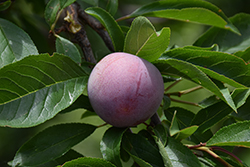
(36,86)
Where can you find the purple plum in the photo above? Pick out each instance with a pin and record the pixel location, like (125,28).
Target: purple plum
(125,90)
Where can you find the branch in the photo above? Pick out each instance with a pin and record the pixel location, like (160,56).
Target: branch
(76,28)
(98,27)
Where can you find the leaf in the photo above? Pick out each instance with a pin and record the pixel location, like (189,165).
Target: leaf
(91,2)
(245,55)
(196,11)
(88,162)
(112,7)
(183,116)
(174,127)
(110,24)
(54,9)
(190,72)
(221,66)
(243,112)
(142,39)
(142,151)
(5,5)
(175,154)
(185,133)
(15,43)
(161,132)
(51,143)
(237,134)
(67,48)
(81,102)
(211,115)
(110,145)
(70,155)
(228,42)
(36,88)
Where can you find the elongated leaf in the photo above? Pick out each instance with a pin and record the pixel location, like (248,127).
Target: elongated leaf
(36,88)
(211,115)
(112,7)
(185,133)
(142,151)
(15,43)
(110,24)
(142,39)
(110,145)
(81,102)
(67,48)
(243,112)
(221,66)
(192,11)
(237,134)
(228,42)
(87,162)
(161,132)
(191,72)
(175,154)
(174,127)
(53,8)
(183,116)
(245,54)
(5,5)
(51,143)
(70,155)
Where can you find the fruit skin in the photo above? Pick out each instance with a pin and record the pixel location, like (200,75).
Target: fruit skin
(125,90)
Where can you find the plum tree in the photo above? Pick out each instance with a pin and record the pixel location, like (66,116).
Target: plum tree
(125,90)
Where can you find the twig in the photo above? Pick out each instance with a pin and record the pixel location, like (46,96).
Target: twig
(185,102)
(222,161)
(76,28)
(173,84)
(180,93)
(225,151)
(98,27)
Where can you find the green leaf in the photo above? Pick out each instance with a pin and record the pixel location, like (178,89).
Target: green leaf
(183,116)
(228,42)
(15,43)
(110,24)
(142,151)
(243,112)
(112,7)
(5,5)
(174,127)
(88,162)
(221,66)
(189,71)
(67,48)
(81,102)
(36,88)
(51,143)
(142,39)
(161,132)
(245,55)
(91,2)
(110,145)
(175,154)
(70,155)
(196,11)
(211,115)
(54,9)
(237,134)
(185,133)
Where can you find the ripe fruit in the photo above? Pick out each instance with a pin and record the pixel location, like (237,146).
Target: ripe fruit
(125,90)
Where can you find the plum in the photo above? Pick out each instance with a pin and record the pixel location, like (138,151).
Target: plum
(125,90)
